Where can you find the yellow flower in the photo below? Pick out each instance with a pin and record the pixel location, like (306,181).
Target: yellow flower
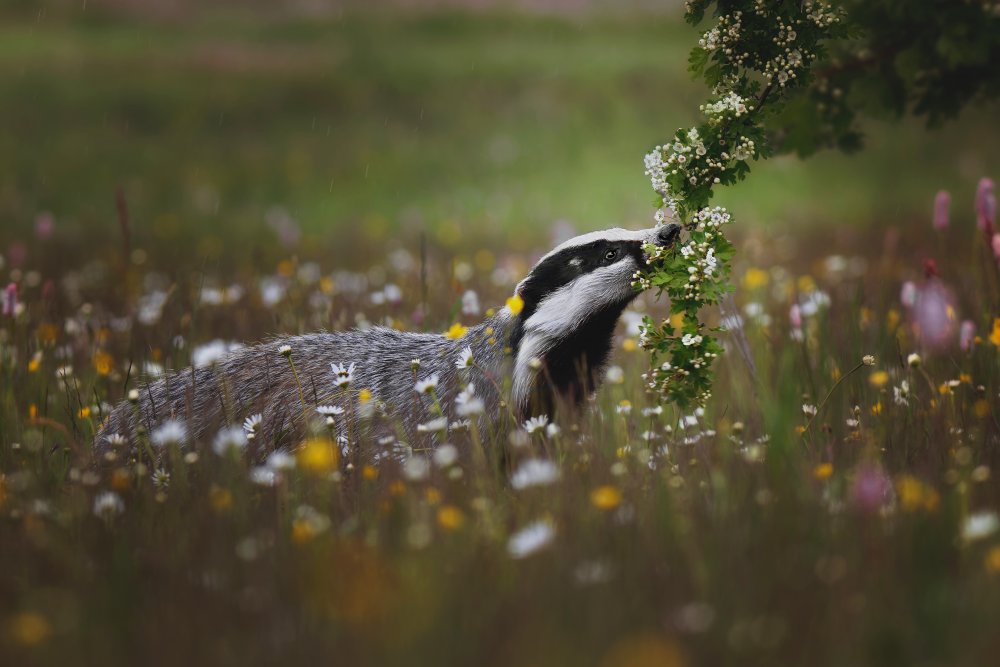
(303,530)
(877,409)
(32,411)
(755,278)
(823,471)
(892,319)
(677,320)
(806,284)
(83,412)
(965,378)
(914,495)
(220,499)
(35,363)
(878,379)
(364,396)
(629,345)
(993,560)
(30,628)
(515,304)
(981,408)
(369,472)
(433,496)
(450,517)
(455,331)
(103,362)
(606,497)
(120,480)
(47,333)
(995,335)
(318,456)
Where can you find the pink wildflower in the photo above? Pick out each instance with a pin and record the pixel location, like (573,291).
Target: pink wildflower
(986,207)
(942,202)
(10,300)
(871,489)
(967,335)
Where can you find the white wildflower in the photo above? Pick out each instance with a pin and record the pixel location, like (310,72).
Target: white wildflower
(427,385)
(465,359)
(536,424)
(229,439)
(343,374)
(530,539)
(416,468)
(467,404)
(433,426)
(901,394)
(264,476)
(108,505)
(212,353)
(445,455)
(534,472)
(980,525)
(251,423)
(170,432)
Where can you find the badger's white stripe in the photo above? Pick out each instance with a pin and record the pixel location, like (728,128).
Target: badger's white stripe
(559,314)
(615,234)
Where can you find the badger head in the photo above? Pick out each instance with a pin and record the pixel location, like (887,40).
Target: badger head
(572,300)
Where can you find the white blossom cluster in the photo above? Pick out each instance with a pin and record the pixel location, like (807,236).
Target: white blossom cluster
(729,105)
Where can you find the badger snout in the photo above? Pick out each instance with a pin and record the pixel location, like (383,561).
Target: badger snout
(667,234)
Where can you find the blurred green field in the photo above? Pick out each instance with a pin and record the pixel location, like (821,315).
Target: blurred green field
(455,123)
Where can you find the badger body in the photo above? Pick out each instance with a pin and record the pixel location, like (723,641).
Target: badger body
(549,353)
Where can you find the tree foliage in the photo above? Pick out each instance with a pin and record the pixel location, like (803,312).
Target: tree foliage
(790,76)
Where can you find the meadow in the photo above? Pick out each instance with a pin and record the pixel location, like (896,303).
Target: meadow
(169,189)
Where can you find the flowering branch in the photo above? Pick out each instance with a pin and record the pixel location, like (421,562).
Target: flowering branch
(752,58)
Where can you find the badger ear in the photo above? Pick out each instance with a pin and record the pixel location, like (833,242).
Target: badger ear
(521,287)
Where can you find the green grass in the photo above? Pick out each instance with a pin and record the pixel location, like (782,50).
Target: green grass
(450,123)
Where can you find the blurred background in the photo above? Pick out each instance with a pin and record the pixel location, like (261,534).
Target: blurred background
(246,127)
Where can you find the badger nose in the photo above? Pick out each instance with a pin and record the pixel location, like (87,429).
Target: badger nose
(667,234)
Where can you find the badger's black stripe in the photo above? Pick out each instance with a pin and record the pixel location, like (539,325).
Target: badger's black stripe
(562,268)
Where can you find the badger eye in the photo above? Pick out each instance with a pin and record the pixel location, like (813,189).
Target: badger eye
(611,254)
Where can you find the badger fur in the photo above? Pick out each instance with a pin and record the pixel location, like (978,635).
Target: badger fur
(552,352)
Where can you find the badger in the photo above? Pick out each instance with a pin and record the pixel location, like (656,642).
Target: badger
(542,351)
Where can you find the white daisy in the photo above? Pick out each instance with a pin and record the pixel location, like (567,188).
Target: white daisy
(433,426)
(465,359)
(536,424)
(170,432)
(467,404)
(251,423)
(534,472)
(229,439)
(427,385)
(530,539)
(330,410)
(344,374)
(108,504)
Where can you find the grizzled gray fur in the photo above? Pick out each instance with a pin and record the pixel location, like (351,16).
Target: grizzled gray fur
(549,354)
